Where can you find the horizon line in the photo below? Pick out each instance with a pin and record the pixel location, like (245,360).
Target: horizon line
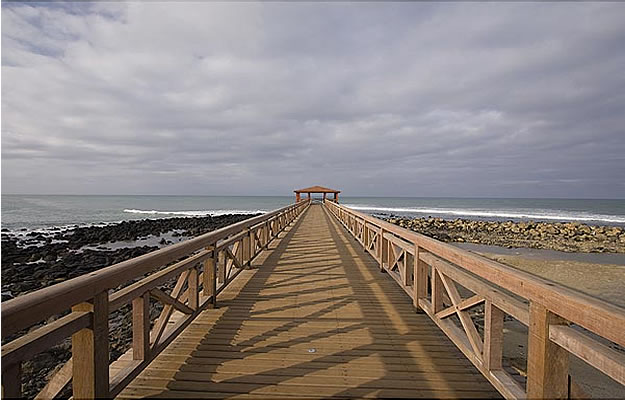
(281,195)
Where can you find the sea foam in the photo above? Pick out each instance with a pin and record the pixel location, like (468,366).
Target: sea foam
(198,213)
(517,214)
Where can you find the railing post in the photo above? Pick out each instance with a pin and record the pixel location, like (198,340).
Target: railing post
(408,269)
(141,327)
(207,285)
(246,248)
(389,253)
(252,246)
(221,267)
(383,250)
(420,278)
(547,363)
(493,336)
(212,263)
(239,253)
(12,381)
(192,283)
(90,351)
(365,235)
(437,291)
(263,235)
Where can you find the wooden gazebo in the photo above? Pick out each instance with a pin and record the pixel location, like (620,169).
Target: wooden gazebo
(317,189)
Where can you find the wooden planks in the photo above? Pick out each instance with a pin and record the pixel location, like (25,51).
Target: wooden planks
(313,318)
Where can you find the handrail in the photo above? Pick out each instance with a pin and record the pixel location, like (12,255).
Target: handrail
(428,270)
(205,266)
(23,311)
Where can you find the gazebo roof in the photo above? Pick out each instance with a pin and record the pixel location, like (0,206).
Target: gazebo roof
(316,189)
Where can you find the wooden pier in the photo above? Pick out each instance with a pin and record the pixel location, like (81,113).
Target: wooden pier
(314,301)
(313,319)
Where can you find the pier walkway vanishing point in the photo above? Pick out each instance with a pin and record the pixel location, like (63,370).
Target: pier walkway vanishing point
(312,300)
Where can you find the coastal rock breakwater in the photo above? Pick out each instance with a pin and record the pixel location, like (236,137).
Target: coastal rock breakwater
(560,236)
(35,260)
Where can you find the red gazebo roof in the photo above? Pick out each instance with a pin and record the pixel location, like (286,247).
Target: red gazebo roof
(316,189)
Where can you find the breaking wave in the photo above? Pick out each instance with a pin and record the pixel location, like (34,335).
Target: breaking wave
(554,215)
(199,213)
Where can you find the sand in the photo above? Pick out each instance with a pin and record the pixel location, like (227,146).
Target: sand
(604,281)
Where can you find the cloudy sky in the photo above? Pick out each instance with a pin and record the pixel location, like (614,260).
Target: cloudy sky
(407,99)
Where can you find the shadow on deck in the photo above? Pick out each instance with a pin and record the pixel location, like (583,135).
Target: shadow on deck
(314,318)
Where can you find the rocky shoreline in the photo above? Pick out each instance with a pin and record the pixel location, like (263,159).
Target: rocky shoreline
(559,236)
(36,260)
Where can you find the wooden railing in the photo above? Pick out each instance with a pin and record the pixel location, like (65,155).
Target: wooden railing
(559,320)
(204,266)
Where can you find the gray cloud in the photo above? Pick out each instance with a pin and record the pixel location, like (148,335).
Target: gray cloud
(451,99)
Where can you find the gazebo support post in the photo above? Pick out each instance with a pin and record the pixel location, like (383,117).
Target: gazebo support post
(316,189)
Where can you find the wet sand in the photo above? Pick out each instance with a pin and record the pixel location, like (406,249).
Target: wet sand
(545,254)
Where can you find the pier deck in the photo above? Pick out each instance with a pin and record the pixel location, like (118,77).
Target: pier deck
(314,317)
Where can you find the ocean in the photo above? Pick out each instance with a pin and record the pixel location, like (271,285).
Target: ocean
(42,212)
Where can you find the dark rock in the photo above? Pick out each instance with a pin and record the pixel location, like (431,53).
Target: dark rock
(570,237)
